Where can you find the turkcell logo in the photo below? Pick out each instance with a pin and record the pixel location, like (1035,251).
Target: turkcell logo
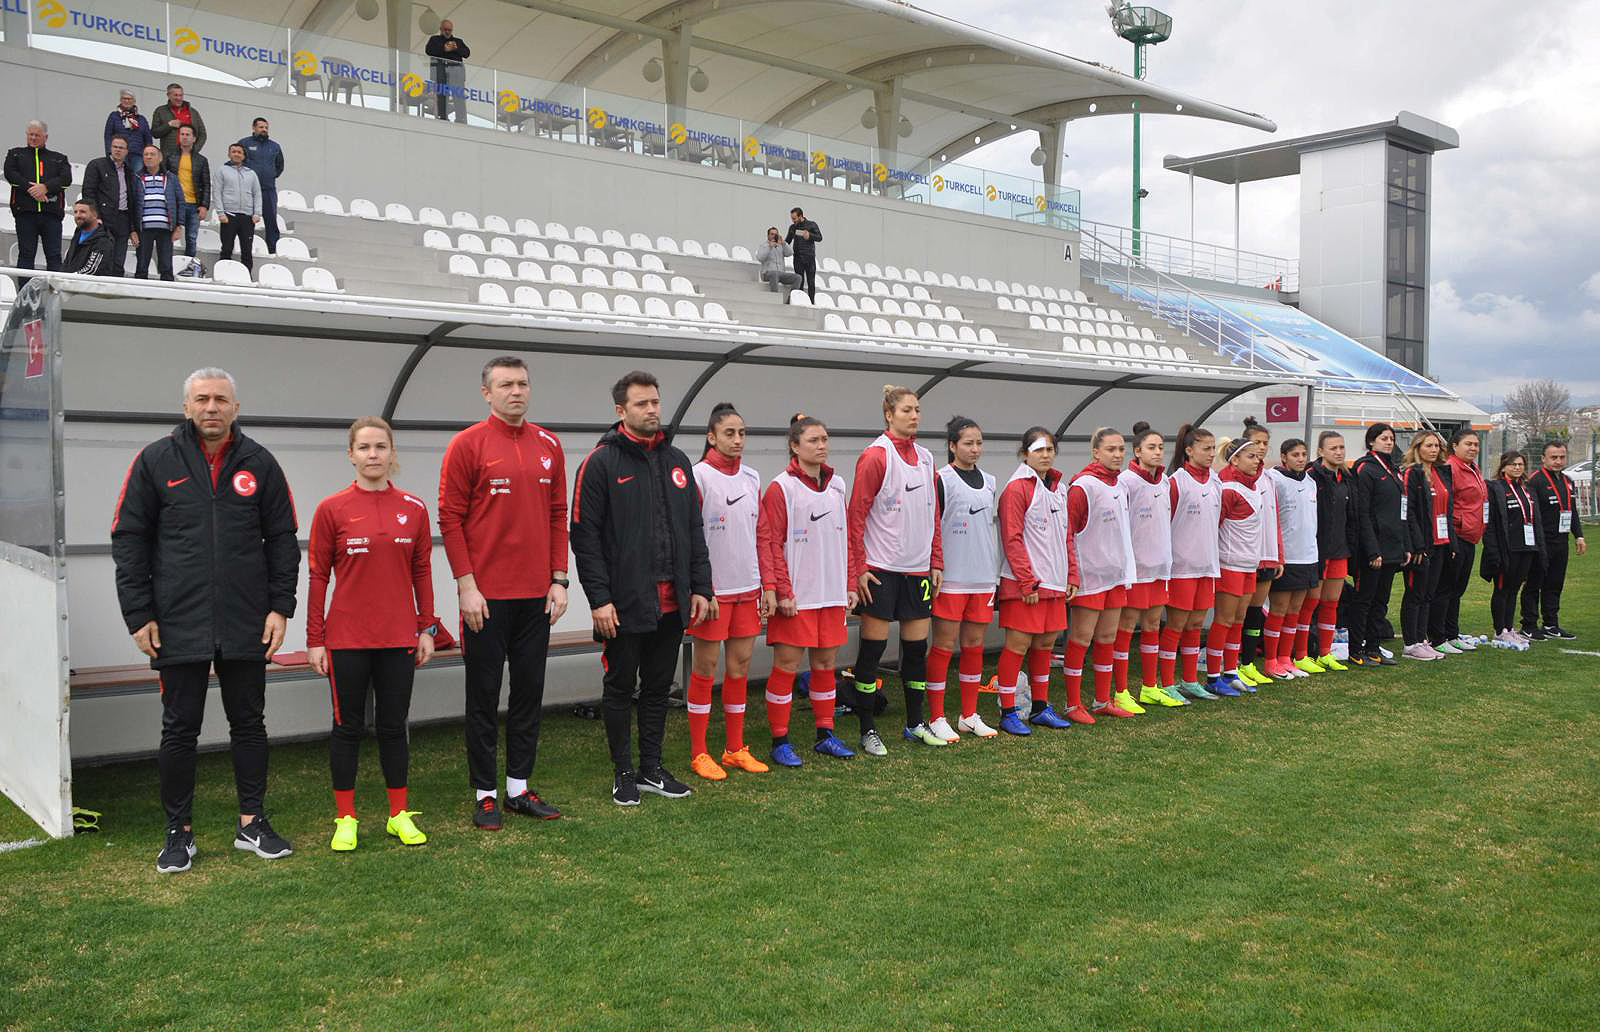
(942,183)
(995,194)
(679,134)
(510,102)
(599,118)
(52,15)
(187,41)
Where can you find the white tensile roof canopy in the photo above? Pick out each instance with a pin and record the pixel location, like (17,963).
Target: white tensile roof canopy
(808,65)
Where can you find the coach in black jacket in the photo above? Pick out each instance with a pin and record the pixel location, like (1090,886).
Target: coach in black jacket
(641,557)
(1383,544)
(207,560)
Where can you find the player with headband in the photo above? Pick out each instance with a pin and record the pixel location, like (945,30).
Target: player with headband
(1144,483)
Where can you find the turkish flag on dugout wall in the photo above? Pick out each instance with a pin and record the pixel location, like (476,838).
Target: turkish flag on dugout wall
(1284,410)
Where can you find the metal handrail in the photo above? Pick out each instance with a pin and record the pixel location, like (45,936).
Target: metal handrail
(1181,256)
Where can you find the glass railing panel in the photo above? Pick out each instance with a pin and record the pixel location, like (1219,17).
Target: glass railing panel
(231,50)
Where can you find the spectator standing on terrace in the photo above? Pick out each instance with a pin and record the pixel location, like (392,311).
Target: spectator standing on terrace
(158,215)
(193,173)
(238,206)
(804,235)
(173,116)
(449,70)
(108,184)
(771,255)
(264,157)
(39,179)
(127,125)
(90,250)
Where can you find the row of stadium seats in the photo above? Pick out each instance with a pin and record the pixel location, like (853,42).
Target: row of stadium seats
(879,306)
(1119,331)
(1066,310)
(278,277)
(1123,349)
(834,322)
(565,275)
(877,288)
(593,303)
(505,247)
(8,225)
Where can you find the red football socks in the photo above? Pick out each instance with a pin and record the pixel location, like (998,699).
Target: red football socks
(1302,632)
(971,679)
(937,677)
(699,703)
(1010,669)
(1168,668)
(1327,625)
(734,690)
(824,693)
(1230,654)
(1119,660)
(1039,676)
(1191,654)
(344,802)
(1217,647)
(1103,653)
(780,698)
(1072,668)
(397,800)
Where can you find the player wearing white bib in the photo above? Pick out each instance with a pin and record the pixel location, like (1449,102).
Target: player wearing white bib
(1239,551)
(1103,546)
(803,546)
(964,607)
(1196,495)
(1288,618)
(730,499)
(895,563)
(1253,638)
(1144,483)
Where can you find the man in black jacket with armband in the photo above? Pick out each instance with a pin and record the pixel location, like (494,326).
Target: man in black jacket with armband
(207,560)
(804,235)
(641,556)
(1557,501)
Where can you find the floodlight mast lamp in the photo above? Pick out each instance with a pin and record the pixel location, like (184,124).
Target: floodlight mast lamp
(1143,27)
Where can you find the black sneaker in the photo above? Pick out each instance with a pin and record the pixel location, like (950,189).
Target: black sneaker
(177,853)
(663,784)
(1552,631)
(258,837)
(625,789)
(1376,658)
(1535,634)
(486,814)
(528,804)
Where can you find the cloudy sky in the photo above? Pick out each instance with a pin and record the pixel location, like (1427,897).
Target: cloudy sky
(1516,210)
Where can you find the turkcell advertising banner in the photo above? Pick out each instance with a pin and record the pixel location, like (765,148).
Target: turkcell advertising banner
(140,24)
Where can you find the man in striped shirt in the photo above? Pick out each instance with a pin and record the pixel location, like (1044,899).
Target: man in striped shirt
(158,214)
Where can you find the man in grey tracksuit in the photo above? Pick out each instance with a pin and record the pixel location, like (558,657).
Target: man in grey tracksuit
(771,255)
(237,199)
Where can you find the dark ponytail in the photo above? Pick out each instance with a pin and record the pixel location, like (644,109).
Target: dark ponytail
(1251,427)
(1141,430)
(799,423)
(1188,434)
(953,430)
(720,411)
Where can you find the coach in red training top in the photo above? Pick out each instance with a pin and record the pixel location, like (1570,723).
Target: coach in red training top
(503,518)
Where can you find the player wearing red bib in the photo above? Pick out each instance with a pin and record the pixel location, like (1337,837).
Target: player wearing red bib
(730,501)
(1036,578)
(964,607)
(372,540)
(1102,547)
(803,545)
(1144,483)
(1196,496)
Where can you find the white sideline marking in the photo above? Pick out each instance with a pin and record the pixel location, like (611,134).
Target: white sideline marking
(8,847)
(1579,652)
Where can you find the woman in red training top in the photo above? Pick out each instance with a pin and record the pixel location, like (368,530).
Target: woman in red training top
(1469,514)
(730,498)
(1150,525)
(1196,496)
(1102,551)
(1239,548)
(1036,576)
(373,540)
(802,539)
(1427,486)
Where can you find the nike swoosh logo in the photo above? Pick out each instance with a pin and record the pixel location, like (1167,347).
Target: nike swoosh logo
(736,501)
(355,519)
(493,462)
(175,483)
(623,480)
(818,517)
(974,512)
(913,488)
(1055,509)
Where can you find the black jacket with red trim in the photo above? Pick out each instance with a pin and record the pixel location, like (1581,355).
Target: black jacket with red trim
(206,565)
(613,524)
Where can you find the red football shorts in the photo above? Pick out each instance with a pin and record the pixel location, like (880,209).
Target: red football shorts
(1191,594)
(1148,595)
(1239,583)
(975,608)
(1047,616)
(809,628)
(734,620)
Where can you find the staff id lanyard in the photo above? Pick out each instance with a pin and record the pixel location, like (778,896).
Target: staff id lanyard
(1527,514)
(1564,500)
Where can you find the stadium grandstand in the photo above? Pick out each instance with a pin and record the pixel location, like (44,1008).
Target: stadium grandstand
(594,203)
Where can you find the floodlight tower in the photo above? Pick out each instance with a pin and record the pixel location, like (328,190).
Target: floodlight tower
(1143,27)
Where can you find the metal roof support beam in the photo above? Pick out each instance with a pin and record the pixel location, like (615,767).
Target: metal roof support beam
(403,377)
(1050,142)
(1090,399)
(887,104)
(700,382)
(675,68)
(1207,414)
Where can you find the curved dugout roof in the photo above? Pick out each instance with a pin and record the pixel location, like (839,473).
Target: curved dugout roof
(806,65)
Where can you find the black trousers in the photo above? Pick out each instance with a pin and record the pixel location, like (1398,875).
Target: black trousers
(388,674)
(1422,583)
(1369,605)
(118,226)
(241,228)
(517,634)
(1453,585)
(159,243)
(1541,595)
(33,229)
(1503,601)
(646,660)
(805,266)
(183,706)
(269,217)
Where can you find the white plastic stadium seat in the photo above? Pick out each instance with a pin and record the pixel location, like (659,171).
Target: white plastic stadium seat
(612,238)
(361,208)
(833,322)
(556,231)
(986,336)
(535,249)
(563,274)
(504,246)
(595,256)
(463,220)
(1035,323)
(800,298)
(683,309)
(947,333)
(1079,297)
(472,243)
(294,249)
(1003,303)
(8,289)
(740,253)
(891,307)
(207,239)
(966,334)
(652,263)
(396,212)
(319,279)
(593,277)
(437,239)
(565,253)
(881,327)
(824,300)
(492,294)
(1180,355)
(495,224)
(985,286)
(681,285)
(625,304)
(913,276)
(562,300)
(848,303)
(531,272)
(657,308)
(584,235)
(496,268)
(596,304)
(666,245)
(624,260)
(293,200)
(233,273)
(921,293)
(899,290)
(640,242)
(830,264)
(1050,293)
(622,279)
(276,276)
(528,228)
(428,217)
(925,331)
(527,297)
(851,268)
(463,265)
(892,272)
(327,204)
(870,304)
(693,249)
(716,250)
(716,313)
(871,269)
(650,283)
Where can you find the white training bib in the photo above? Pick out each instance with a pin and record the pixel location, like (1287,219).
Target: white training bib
(899,532)
(1149,525)
(1104,546)
(1297,515)
(729,507)
(1194,526)
(1239,541)
(1269,521)
(970,535)
(817,547)
(1044,532)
